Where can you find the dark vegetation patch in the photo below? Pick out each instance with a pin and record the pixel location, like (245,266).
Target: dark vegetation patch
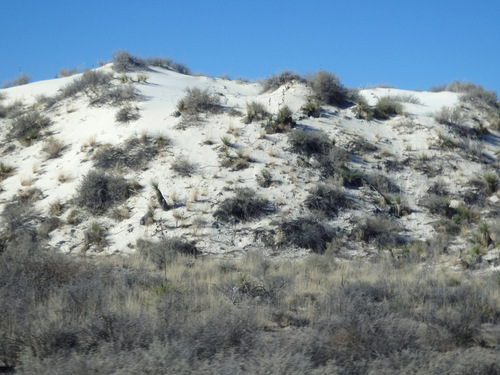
(306,233)
(163,252)
(135,153)
(245,205)
(29,127)
(327,199)
(382,231)
(99,191)
(276,81)
(200,101)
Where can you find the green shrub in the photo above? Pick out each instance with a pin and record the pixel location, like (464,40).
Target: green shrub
(328,88)
(99,191)
(264,178)
(199,101)
(492,181)
(29,127)
(275,82)
(386,107)
(281,123)
(244,206)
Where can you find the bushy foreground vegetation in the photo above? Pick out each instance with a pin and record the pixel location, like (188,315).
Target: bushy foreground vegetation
(154,313)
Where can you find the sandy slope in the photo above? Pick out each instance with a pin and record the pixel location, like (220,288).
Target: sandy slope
(75,122)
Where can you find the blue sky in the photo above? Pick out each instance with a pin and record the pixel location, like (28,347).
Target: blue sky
(409,44)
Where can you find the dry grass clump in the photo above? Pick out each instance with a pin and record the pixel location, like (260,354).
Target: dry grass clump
(123,61)
(127,114)
(328,88)
(327,199)
(6,170)
(306,233)
(309,142)
(255,112)
(183,166)
(382,231)
(29,127)
(22,79)
(387,107)
(53,147)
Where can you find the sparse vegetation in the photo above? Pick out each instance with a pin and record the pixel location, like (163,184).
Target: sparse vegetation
(256,112)
(309,142)
(306,233)
(312,108)
(123,61)
(183,166)
(327,199)
(53,147)
(381,231)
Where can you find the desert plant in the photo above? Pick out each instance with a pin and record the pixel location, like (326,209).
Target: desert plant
(305,232)
(312,108)
(256,112)
(48,225)
(309,142)
(199,101)
(134,153)
(264,178)
(29,127)
(492,180)
(327,199)
(127,114)
(166,250)
(66,72)
(386,107)
(362,108)
(22,79)
(95,235)
(275,82)
(470,92)
(5,170)
(98,191)
(449,116)
(166,63)
(123,61)
(142,78)
(53,147)
(90,82)
(244,206)
(328,88)
(183,166)
(383,232)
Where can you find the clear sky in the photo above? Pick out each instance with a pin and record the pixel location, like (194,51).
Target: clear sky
(409,44)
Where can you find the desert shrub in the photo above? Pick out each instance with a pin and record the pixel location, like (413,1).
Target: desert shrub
(238,161)
(123,61)
(134,153)
(65,72)
(333,161)
(312,108)
(408,98)
(382,184)
(127,114)
(5,170)
(386,107)
(306,233)
(91,82)
(244,206)
(275,82)
(48,225)
(350,177)
(166,63)
(492,181)
(22,79)
(362,108)
(470,92)
(18,220)
(29,127)
(281,123)
(328,88)
(183,166)
(95,235)
(115,96)
(264,178)
(438,205)
(165,251)
(99,191)
(53,147)
(309,142)
(381,231)
(449,116)
(256,112)
(199,101)
(327,199)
